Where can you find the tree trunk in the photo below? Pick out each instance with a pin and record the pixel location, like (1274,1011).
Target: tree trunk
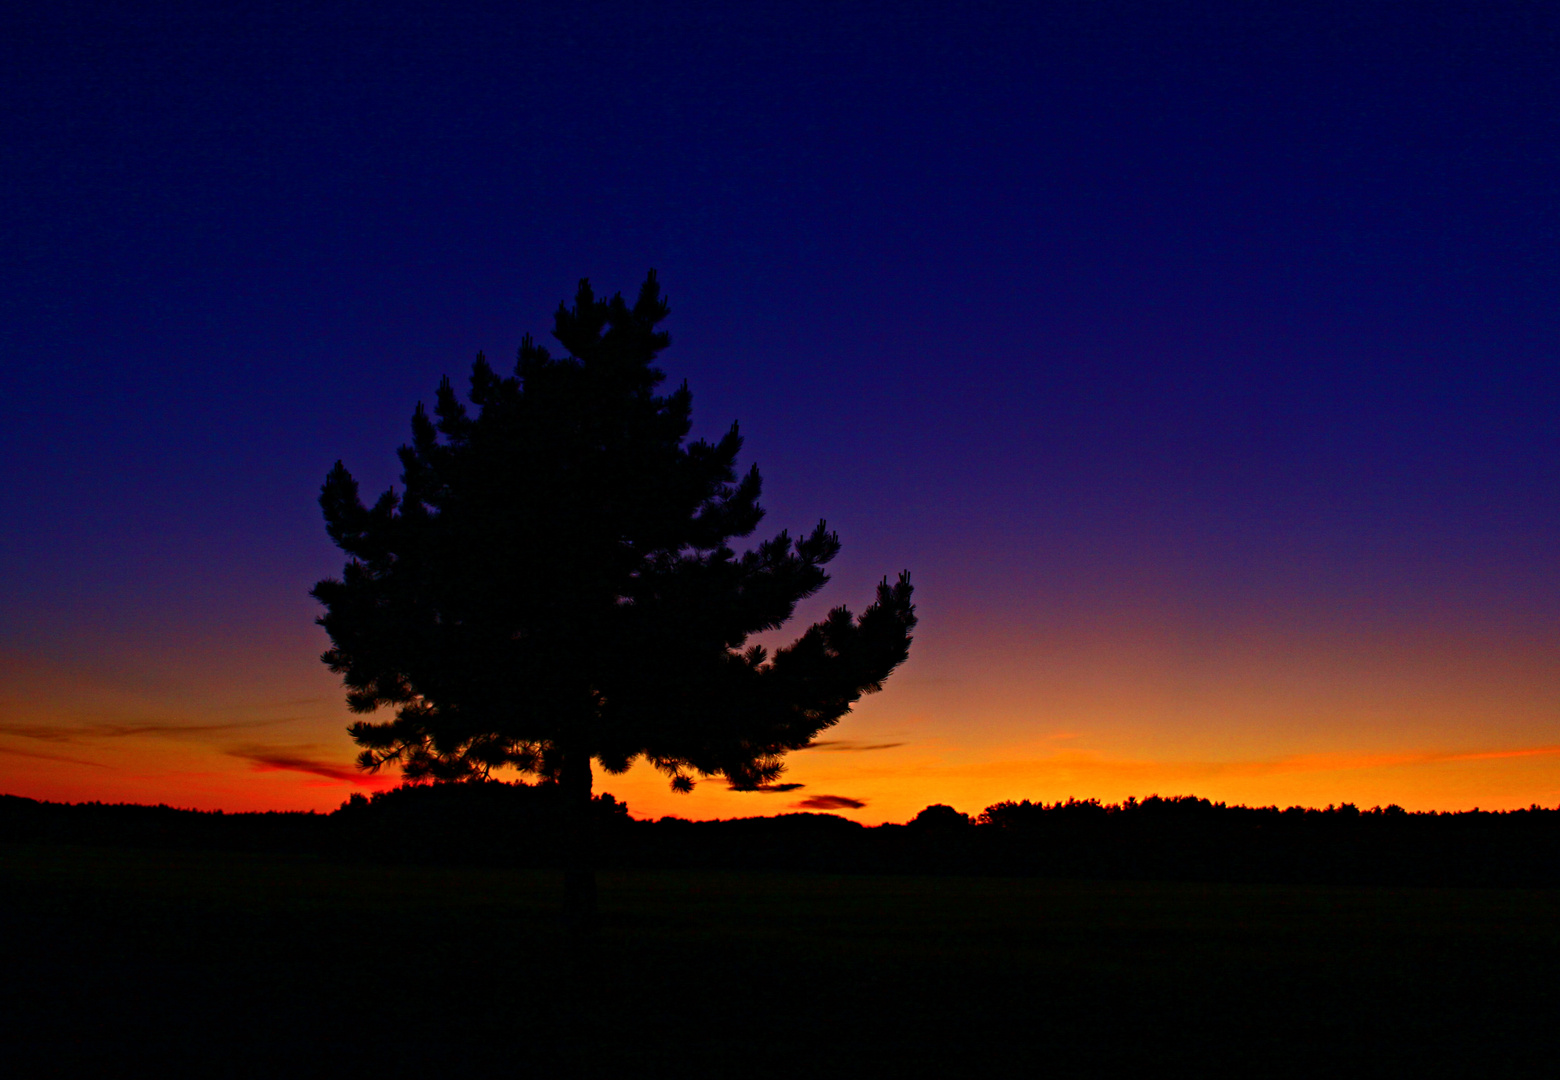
(577,1034)
(579,866)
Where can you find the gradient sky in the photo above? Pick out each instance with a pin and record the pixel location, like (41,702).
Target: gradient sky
(1199,360)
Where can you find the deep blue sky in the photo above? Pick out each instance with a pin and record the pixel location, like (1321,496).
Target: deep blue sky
(1250,310)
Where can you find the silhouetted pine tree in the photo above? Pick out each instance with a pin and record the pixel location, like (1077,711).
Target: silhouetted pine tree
(555,584)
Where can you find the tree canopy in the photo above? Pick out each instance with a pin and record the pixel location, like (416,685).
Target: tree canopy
(555,581)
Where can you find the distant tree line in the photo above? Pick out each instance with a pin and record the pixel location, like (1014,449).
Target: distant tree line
(1179,838)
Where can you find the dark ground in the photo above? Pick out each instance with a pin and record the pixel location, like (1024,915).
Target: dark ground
(1182,838)
(124,960)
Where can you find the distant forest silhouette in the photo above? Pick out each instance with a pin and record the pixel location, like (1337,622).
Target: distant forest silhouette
(1182,838)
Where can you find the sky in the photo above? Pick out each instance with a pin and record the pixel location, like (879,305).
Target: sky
(1198,360)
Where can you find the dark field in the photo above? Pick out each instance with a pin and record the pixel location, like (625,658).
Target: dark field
(126,960)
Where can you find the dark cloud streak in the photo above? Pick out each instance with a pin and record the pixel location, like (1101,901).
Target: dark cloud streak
(264,759)
(829,802)
(849,746)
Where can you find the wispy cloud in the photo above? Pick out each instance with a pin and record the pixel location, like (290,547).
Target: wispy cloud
(270,759)
(50,757)
(766,787)
(1481,755)
(78,733)
(1083,765)
(848,746)
(1329,762)
(829,802)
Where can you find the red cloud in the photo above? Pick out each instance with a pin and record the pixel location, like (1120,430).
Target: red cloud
(265,760)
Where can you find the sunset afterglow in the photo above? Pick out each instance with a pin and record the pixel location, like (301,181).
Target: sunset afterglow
(1201,369)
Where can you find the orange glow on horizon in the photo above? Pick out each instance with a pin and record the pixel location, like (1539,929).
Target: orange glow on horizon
(1423,718)
(892,788)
